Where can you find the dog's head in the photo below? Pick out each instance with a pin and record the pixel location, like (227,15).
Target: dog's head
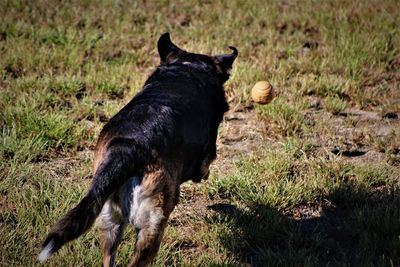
(220,64)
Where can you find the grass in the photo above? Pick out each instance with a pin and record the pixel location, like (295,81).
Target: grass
(66,68)
(334,105)
(347,202)
(286,119)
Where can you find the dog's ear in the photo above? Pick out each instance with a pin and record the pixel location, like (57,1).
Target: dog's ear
(166,49)
(224,64)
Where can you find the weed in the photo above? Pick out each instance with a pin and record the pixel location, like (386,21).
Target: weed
(334,105)
(283,117)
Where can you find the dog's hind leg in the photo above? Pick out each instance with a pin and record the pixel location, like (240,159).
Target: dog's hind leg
(153,202)
(111,225)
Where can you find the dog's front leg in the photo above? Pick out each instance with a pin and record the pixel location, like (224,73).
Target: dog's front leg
(154,201)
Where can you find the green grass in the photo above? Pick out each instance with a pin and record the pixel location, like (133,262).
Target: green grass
(334,105)
(286,119)
(356,222)
(66,68)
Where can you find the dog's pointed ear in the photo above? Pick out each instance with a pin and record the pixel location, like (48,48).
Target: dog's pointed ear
(224,63)
(166,47)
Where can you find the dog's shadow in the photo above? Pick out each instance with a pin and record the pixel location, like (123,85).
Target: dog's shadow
(364,232)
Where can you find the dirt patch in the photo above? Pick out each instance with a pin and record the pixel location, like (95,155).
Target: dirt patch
(356,135)
(241,133)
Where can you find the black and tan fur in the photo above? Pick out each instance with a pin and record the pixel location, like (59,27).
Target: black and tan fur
(165,136)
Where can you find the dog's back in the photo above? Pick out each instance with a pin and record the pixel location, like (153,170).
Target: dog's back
(176,115)
(163,137)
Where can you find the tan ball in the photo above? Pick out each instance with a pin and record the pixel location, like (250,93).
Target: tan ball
(262,92)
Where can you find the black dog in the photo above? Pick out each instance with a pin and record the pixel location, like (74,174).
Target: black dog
(166,135)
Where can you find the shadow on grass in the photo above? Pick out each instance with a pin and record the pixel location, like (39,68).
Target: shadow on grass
(361,229)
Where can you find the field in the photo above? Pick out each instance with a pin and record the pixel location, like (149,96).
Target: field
(311,179)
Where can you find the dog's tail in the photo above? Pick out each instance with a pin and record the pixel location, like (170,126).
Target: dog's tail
(116,167)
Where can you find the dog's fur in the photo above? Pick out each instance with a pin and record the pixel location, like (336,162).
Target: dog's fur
(165,136)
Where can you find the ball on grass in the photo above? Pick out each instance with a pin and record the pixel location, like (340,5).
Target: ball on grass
(262,92)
